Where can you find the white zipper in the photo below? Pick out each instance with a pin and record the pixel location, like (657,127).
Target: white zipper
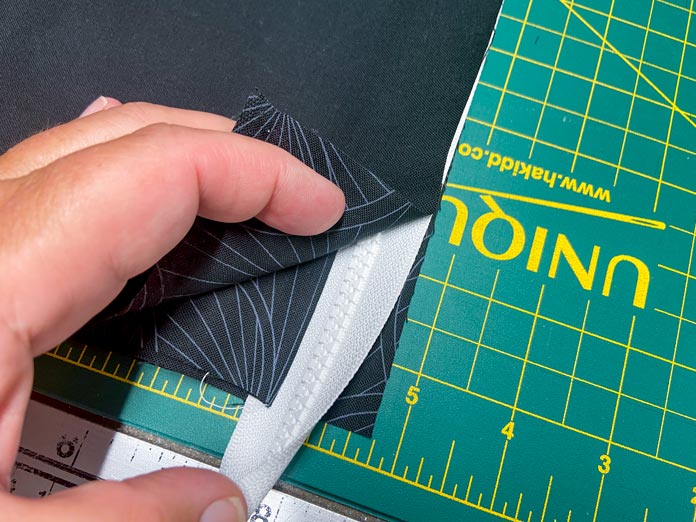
(324,355)
(359,294)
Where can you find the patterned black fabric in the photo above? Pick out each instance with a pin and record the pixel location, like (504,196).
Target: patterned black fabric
(242,337)
(214,255)
(233,301)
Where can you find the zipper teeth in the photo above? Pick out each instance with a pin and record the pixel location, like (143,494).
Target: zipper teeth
(322,358)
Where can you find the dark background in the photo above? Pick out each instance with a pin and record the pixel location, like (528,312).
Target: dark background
(385,81)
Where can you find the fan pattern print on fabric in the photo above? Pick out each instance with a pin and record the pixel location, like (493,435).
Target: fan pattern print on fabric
(232,301)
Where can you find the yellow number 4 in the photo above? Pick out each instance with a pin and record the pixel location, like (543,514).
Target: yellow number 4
(412,395)
(509,430)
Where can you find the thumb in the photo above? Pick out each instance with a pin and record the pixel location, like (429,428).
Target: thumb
(171,495)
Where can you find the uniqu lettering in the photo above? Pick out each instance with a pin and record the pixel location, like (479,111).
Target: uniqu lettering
(585,270)
(481,224)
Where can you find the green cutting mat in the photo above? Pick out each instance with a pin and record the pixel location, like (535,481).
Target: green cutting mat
(548,368)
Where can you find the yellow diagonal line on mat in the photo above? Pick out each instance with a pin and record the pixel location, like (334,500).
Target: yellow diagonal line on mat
(605,214)
(628,62)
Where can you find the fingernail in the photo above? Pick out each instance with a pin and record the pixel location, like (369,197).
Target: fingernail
(95,106)
(225,510)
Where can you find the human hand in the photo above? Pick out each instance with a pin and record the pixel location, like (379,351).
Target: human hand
(89,204)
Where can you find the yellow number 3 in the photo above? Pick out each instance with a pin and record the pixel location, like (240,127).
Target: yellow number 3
(605,465)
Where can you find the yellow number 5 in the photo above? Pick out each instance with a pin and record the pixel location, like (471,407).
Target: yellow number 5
(412,395)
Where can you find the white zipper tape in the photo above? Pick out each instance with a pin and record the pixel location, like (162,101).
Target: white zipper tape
(365,282)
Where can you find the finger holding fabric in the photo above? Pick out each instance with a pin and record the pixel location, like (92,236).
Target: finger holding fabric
(92,203)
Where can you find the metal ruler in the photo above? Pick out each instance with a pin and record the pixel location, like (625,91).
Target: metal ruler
(59,450)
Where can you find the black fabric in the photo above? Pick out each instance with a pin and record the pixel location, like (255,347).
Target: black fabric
(232,301)
(386,80)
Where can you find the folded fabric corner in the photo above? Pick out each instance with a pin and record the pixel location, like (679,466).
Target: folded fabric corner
(233,301)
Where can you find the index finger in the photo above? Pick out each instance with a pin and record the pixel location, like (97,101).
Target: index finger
(73,233)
